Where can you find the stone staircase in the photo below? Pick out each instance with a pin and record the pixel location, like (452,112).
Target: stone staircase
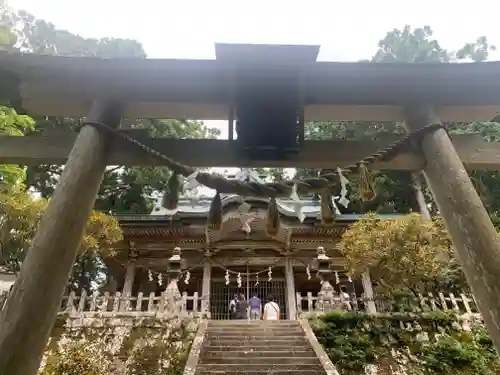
(257,348)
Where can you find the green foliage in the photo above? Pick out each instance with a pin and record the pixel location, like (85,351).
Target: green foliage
(430,343)
(13,124)
(409,253)
(20,214)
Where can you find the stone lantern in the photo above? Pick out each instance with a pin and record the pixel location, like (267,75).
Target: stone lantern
(327,295)
(172,294)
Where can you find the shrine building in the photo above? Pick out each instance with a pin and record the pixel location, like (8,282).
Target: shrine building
(241,258)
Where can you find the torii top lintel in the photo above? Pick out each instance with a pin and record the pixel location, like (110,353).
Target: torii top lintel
(201,89)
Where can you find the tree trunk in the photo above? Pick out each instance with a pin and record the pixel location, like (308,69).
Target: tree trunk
(30,312)
(419,196)
(473,235)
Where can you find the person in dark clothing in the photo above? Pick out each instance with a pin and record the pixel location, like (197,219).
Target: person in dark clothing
(241,308)
(232,307)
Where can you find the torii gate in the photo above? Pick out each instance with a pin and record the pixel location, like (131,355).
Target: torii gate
(229,87)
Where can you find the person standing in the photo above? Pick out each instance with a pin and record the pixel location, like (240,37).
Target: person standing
(271,310)
(345,299)
(241,308)
(232,307)
(255,307)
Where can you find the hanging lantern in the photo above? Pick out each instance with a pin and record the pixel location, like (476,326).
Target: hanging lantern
(150,275)
(270,274)
(238,280)
(226,277)
(308,272)
(188,276)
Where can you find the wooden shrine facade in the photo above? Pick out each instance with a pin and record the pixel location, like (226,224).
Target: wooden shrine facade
(143,257)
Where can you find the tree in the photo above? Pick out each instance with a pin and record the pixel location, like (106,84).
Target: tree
(409,253)
(19,217)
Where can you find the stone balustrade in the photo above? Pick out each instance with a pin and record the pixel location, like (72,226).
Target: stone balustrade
(107,304)
(198,306)
(310,305)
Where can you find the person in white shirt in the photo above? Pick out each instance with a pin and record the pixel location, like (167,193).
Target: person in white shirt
(345,298)
(271,310)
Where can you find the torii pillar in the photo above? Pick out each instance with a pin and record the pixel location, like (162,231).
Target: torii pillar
(31,309)
(471,230)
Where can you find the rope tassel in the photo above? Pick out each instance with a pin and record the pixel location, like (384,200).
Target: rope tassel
(366,184)
(328,212)
(273,218)
(171,197)
(214,220)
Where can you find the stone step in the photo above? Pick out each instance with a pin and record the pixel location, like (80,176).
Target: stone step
(272,369)
(262,348)
(277,361)
(290,342)
(252,353)
(242,337)
(259,333)
(254,334)
(261,327)
(317,371)
(251,323)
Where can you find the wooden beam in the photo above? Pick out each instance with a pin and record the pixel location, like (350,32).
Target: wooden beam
(31,309)
(475,239)
(47,105)
(474,152)
(198,89)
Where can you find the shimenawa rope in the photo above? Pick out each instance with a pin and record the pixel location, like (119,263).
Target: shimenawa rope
(322,185)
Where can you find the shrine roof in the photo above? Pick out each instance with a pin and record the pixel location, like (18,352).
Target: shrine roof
(200,89)
(162,219)
(189,221)
(199,208)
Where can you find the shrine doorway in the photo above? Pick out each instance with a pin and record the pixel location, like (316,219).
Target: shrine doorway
(222,293)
